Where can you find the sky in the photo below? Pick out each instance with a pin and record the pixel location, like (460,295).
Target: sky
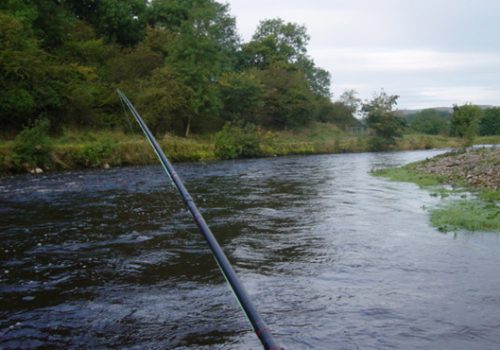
(432,53)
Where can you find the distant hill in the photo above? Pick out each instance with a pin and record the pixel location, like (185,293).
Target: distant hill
(409,112)
(441,110)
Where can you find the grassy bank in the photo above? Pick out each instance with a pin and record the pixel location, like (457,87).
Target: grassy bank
(474,172)
(79,150)
(91,149)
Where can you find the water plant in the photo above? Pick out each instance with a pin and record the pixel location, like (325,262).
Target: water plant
(472,215)
(479,211)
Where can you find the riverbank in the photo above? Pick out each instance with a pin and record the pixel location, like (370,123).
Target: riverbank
(474,171)
(91,149)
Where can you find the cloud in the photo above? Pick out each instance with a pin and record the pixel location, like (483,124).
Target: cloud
(429,52)
(462,94)
(409,60)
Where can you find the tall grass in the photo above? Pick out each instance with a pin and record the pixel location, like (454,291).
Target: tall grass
(75,149)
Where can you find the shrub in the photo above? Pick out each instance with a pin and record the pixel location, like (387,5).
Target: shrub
(32,146)
(98,153)
(490,123)
(430,122)
(378,143)
(465,122)
(237,141)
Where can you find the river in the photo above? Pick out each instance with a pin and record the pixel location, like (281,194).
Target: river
(333,257)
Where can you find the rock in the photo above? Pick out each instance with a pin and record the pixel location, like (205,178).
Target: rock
(106,166)
(36,170)
(479,169)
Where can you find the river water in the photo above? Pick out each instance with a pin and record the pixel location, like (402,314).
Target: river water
(333,257)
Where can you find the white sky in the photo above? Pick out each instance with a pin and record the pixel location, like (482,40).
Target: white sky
(433,53)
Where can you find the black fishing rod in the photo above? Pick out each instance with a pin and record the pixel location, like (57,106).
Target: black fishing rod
(246,304)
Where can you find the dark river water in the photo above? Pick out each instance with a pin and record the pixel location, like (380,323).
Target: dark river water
(333,257)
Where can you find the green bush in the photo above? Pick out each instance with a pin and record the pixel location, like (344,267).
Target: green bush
(98,153)
(237,141)
(32,146)
(490,123)
(430,122)
(465,122)
(378,143)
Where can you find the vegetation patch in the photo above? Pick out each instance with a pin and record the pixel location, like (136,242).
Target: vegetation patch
(409,173)
(475,171)
(76,149)
(237,141)
(32,147)
(472,215)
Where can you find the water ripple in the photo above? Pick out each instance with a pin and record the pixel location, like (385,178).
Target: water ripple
(333,258)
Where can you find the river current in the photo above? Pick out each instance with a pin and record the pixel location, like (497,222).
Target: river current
(333,257)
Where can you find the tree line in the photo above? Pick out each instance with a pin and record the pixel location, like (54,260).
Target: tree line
(483,121)
(181,61)
(386,124)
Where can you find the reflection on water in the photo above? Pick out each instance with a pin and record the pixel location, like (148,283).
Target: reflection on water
(333,257)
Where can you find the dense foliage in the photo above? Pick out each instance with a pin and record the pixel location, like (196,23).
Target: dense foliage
(429,121)
(32,146)
(381,118)
(465,122)
(490,123)
(237,141)
(181,61)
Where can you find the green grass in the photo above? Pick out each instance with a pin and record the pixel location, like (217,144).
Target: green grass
(489,195)
(472,215)
(409,173)
(74,149)
(487,140)
(475,214)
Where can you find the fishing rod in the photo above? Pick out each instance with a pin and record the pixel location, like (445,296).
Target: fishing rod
(239,291)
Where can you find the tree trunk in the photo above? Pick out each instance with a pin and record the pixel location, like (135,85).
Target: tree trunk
(188,127)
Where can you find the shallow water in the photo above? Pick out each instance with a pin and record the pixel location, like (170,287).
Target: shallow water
(333,257)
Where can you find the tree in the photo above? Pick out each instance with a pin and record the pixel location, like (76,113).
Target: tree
(275,41)
(430,122)
(120,21)
(319,79)
(21,63)
(168,14)
(61,84)
(61,59)
(33,82)
(340,112)
(382,120)
(465,122)
(490,123)
(134,64)
(164,101)
(288,101)
(241,95)
(350,100)
(203,50)
(336,112)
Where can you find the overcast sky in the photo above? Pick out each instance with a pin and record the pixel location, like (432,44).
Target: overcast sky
(432,53)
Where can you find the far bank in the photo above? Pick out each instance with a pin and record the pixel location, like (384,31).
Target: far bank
(101,149)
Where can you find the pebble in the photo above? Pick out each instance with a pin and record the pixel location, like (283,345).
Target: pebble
(478,168)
